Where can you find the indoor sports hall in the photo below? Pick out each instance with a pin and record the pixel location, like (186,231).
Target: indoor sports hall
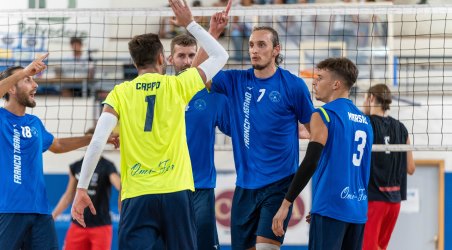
(405,44)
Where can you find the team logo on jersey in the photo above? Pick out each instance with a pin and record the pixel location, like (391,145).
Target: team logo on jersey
(275,96)
(34,131)
(200,104)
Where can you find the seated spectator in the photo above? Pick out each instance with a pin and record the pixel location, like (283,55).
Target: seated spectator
(76,66)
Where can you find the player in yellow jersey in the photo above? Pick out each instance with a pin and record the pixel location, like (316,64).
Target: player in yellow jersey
(156,174)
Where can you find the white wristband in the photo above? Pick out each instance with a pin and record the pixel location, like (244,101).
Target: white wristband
(217,54)
(105,124)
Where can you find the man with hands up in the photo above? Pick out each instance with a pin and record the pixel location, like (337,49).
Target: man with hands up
(156,174)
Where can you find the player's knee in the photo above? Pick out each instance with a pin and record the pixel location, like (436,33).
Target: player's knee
(266,246)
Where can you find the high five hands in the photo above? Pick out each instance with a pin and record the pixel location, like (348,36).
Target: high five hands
(184,16)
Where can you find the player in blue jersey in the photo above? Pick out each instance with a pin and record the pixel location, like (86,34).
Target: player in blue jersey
(25,215)
(266,104)
(337,159)
(204,113)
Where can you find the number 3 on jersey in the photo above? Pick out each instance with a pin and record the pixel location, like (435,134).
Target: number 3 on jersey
(150,99)
(357,157)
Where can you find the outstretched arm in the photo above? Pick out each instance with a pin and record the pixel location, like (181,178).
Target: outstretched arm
(63,145)
(32,69)
(218,22)
(217,54)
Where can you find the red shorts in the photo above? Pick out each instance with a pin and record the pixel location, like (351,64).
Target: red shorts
(381,220)
(79,238)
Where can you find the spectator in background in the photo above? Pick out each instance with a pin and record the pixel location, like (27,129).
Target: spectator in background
(98,232)
(77,67)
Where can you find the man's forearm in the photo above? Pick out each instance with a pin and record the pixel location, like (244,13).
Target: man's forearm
(201,55)
(72,143)
(8,82)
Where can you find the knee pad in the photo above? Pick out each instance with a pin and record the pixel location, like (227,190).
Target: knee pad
(266,246)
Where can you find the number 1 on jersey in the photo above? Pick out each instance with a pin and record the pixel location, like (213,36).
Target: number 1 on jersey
(150,99)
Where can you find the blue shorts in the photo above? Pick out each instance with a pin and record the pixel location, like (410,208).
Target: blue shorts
(146,218)
(253,211)
(27,231)
(329,233)
(204,205)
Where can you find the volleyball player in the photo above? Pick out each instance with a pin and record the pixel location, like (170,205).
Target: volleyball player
(156,174)
(267,102)
(25,214)
(388,176)
(337,159)
(204,113)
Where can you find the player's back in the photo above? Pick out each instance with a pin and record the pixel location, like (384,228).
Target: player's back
(341,179)
(388,168)
(154,154)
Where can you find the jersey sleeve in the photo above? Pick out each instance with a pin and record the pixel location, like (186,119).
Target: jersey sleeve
(188,83)
(223,121)
(324,114)
(223,82)
(302,102)
(47,138)
(112,99)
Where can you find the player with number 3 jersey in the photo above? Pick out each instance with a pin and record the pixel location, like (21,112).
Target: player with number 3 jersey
(337,159)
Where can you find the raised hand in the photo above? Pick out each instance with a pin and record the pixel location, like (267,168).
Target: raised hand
(182,13)
(219,20)
(36,66)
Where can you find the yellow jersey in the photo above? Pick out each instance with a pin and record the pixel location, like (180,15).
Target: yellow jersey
(154,152)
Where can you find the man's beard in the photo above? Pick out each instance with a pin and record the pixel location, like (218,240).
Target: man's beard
(261,67)
(178,70)
(23,98)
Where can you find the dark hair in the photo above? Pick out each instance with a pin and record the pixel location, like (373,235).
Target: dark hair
(342,67)
(76,40)
(275,40)
(144,49)
(7,73)
(382,94)
(184,40)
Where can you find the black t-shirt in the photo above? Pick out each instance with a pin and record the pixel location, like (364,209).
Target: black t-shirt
(388,176)
(99,190)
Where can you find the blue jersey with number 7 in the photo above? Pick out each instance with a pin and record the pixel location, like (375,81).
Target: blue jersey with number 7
(339,185)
